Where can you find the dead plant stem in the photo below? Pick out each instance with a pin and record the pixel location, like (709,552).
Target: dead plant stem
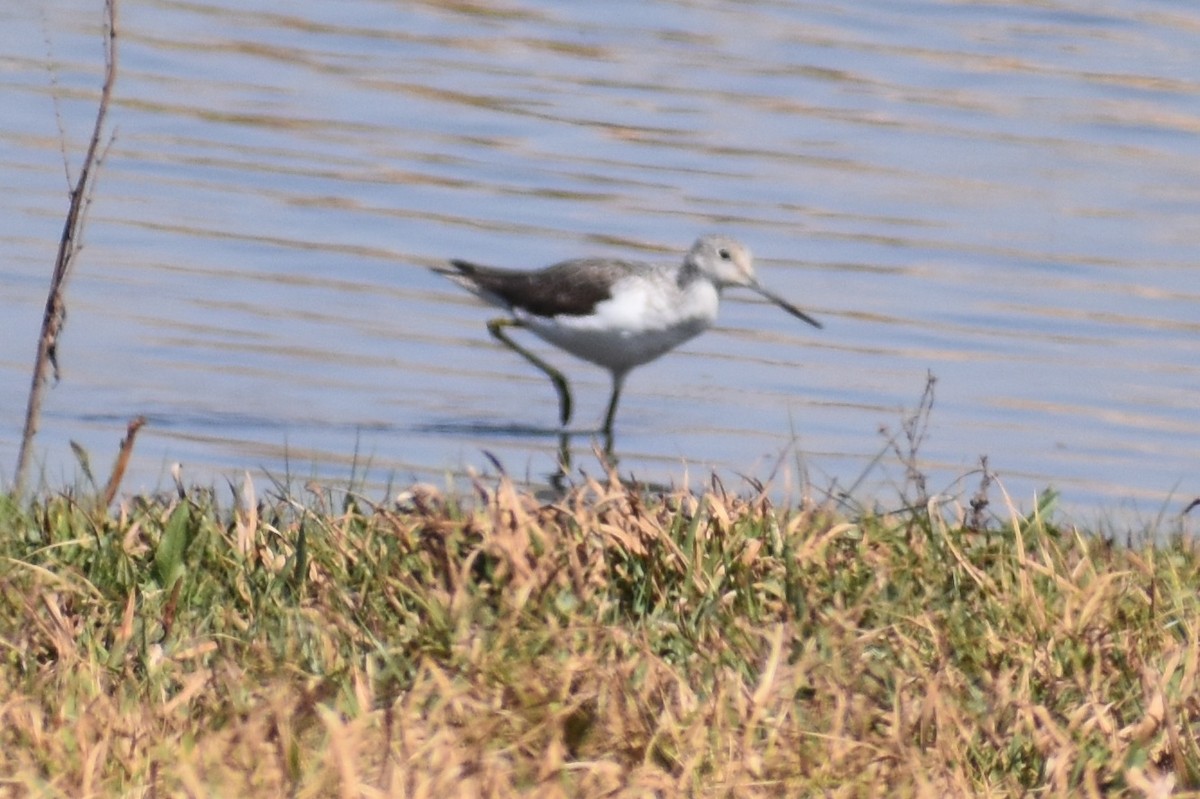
(68,248)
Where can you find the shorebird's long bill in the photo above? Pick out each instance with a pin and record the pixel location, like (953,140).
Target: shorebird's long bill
(785,305)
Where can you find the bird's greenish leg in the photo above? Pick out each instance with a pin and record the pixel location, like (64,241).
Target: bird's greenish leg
(496,328)
(611,414)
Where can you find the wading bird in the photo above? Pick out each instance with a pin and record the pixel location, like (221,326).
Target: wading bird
(617,314)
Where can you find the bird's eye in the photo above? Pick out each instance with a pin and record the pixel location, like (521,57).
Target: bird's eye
(724,253)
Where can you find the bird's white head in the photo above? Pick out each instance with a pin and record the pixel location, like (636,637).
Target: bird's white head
(727,262)
(724,260)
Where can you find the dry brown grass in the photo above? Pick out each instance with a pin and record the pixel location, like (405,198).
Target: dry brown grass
(607,644)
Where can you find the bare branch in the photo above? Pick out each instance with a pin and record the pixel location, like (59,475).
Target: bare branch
(68,247)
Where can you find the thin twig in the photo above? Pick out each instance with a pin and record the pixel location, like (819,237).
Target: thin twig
(916,428)
(126,449)
(68,247)
(54,96)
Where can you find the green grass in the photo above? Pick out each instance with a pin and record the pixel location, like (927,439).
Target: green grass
(611,643)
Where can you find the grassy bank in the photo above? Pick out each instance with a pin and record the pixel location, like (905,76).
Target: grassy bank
(610,643)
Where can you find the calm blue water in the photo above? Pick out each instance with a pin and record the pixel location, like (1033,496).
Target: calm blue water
(1004,195)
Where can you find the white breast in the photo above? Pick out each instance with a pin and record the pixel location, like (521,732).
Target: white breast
(644,319)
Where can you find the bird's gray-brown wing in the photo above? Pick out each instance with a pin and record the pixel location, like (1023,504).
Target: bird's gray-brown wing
(570,288)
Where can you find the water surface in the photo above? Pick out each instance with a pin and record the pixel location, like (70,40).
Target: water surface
(1002,194)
